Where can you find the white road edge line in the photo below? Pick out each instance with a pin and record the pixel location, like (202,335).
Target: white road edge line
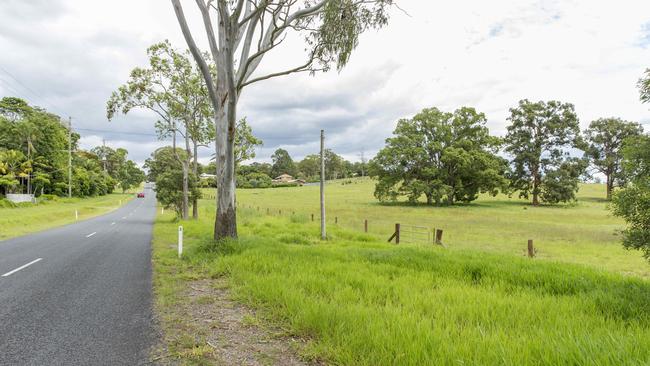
(112,223)
(22,267)
(91,234)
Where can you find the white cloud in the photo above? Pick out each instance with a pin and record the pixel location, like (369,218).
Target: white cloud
(486,54)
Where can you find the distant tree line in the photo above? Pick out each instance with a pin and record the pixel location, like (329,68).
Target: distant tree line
(260,175)
(451,157)
(34,156)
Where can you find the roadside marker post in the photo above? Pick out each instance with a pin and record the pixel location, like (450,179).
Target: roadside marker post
(180,241)
(76,214)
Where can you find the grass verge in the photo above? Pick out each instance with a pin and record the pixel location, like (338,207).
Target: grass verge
(365,302)
(17,221)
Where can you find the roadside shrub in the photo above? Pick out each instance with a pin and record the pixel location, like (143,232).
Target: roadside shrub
(48,197)
(5,203)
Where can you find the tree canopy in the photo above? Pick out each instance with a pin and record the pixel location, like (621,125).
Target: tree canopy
(604,142)
(644,87)
(282,163)
(241,34)
(447,157)
(633,202)
(34,155)
(539,139)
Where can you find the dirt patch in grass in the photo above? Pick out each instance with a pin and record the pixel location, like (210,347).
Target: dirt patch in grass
(224,332)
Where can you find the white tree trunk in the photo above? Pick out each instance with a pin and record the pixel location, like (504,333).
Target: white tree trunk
(225,225)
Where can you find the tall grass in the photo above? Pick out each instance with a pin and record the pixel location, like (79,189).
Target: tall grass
(361,301)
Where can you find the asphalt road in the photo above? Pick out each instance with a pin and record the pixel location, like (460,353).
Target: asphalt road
(80,294)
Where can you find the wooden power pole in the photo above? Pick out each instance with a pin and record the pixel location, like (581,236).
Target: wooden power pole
(323,233)
(69,157)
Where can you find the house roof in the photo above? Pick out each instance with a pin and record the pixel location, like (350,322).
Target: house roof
(283,176)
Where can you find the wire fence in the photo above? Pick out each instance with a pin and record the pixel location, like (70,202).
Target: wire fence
(403,233)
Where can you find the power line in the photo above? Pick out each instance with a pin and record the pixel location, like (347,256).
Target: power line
(116,132)
(30,91)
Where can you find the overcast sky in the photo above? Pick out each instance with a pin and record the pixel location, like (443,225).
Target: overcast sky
(69,55)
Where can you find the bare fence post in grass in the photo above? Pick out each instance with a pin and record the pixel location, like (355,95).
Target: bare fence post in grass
(365,225)
(336,219)
(531,248)
(439,236)
(312,217)
(279,212)
(395,234)
(267,210)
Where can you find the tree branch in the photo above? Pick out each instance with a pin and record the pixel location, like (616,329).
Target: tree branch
(203,66)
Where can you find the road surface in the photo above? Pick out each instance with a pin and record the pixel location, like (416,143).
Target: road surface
(80,294)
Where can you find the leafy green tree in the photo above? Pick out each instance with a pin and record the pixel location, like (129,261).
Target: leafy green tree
(632,203)
(644,87)
(254,180)
(40,136)
(447,157)
(164,168)
(247,31)
(538,139)
(282,163)
(245,142)
(335,165)
(12,168)
(309,167)
(604,139)
(173,88)
(130,176)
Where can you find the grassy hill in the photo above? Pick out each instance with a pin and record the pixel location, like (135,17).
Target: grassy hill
(362,301)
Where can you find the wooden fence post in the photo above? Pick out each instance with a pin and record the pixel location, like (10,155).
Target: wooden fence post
(531,248)
(312,217)
(397,227)
(439,236)
(336,219)
(279,212)
(267,210)
(365,225)
(395,235)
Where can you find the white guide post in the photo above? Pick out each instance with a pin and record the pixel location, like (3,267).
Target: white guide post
(180,241)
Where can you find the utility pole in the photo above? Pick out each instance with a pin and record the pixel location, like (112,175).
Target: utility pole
(323,234)
(69,157)
(363,162)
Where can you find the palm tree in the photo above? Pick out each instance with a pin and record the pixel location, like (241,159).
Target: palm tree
(12,166)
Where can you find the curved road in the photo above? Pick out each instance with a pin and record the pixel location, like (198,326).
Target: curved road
(80,294)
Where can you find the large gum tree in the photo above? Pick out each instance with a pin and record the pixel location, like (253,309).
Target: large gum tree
(240,34)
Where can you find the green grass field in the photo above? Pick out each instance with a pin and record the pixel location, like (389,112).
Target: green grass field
(361,301)
(24,220)
(584,232)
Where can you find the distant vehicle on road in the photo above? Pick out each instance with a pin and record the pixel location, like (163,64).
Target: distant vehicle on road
(141,195)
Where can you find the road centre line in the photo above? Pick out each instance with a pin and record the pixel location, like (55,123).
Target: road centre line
(21,267)
(91,234)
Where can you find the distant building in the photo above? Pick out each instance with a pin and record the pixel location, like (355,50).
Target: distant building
(286,178)
(206,176)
